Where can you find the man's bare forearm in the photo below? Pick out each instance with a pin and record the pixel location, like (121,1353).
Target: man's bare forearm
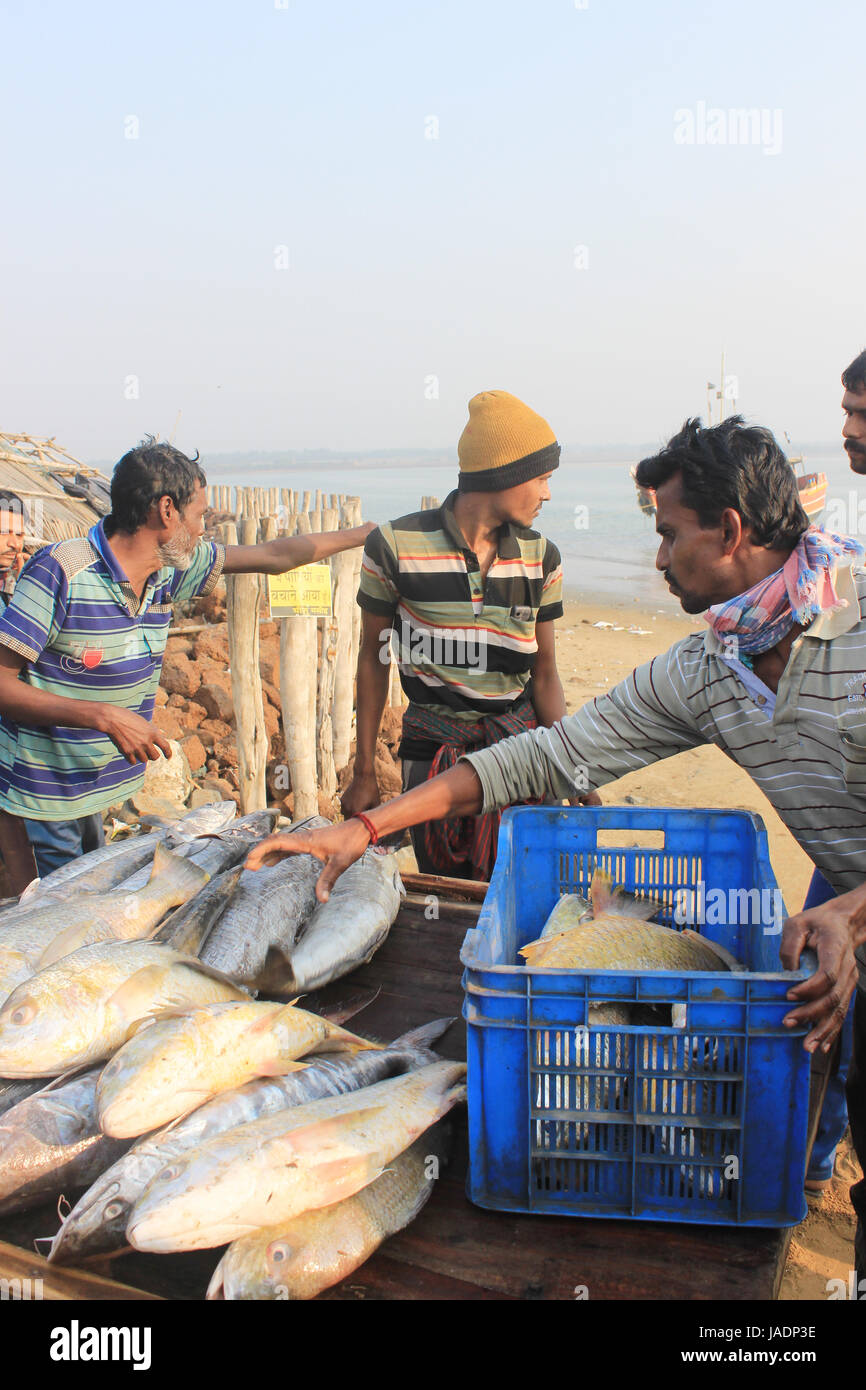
(373,679)
(453,793)
(24,704)
(288,552)
(548,699)
(855,902)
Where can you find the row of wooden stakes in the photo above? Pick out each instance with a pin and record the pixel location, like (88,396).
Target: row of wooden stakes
(318,656)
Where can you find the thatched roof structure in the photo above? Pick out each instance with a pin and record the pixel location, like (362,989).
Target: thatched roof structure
(62,497)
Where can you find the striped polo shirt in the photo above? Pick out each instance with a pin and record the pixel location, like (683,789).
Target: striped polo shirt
(806,750)
(465,646)
(85,635)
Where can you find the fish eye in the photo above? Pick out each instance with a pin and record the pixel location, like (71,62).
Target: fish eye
(23,1014)
(115,1209)
(278,1252)
(170,1172)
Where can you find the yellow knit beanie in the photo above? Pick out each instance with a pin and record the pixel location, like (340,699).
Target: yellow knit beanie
(504,444)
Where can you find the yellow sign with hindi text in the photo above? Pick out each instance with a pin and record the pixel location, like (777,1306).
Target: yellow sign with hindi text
(303,591)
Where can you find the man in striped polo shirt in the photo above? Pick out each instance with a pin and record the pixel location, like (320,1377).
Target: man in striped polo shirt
(82,641)
(467,594)
(778,682)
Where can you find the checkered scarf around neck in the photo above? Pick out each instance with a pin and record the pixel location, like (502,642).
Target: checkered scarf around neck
(796,593)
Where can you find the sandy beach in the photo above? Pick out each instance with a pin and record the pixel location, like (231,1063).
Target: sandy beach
(591,658)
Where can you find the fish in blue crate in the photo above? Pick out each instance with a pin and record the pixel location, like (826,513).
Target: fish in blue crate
(611,930)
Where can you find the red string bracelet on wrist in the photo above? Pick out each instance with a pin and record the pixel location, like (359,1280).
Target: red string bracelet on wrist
(368,826)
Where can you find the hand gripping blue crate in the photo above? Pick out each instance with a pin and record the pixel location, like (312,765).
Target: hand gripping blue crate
(705,1122)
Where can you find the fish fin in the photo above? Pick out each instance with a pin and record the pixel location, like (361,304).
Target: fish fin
(426,1035)
(340,1040)
(59,946)
(455,1095)
(324,1134)
(31,891)
(57,1081)
(278,1068)
(534,948)
(188,876)
(216,1287)
(602,892)
(212,973)
(131,987)
(344,1009)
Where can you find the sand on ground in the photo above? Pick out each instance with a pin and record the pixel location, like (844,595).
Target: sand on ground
(592,658)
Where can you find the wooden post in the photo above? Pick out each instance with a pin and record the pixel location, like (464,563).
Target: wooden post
(357,555)
(306,503)
(327,674)
(298,700)
(343,573)
(316,523)
(242,615)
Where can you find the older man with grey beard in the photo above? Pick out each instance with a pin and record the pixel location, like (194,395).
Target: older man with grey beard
(82,641)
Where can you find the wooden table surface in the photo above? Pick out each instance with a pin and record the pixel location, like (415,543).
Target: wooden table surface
(455,1250)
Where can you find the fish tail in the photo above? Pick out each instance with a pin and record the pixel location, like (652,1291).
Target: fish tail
(186,877)
(424,1037)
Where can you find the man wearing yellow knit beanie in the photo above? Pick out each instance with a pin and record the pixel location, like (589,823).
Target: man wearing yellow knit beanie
(466,596)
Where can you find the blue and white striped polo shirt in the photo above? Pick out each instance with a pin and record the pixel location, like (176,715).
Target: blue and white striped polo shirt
(81,628)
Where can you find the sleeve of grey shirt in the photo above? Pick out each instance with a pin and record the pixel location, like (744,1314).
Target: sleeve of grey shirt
(640,721)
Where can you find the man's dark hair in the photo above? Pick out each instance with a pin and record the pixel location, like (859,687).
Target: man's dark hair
(11,502)
(145,474)
(854,376)
(732,465)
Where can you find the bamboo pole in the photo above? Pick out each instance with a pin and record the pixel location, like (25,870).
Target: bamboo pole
(242,613)
(357,555)
(343,571)
(327,674)
(298,700)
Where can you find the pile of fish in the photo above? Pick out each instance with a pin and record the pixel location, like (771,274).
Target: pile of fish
(613,930)
(302,1167)
(136,1063)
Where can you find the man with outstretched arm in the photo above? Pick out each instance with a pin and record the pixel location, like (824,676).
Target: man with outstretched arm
(82,641)
(770,683)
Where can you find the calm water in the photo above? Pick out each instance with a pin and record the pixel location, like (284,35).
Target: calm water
(608,546)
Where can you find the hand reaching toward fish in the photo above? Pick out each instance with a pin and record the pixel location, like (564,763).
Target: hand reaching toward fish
(832,930)
(337,847)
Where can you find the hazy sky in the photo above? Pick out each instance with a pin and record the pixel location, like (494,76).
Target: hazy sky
(586,229)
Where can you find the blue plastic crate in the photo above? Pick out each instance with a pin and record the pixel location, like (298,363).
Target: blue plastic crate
(704,1123)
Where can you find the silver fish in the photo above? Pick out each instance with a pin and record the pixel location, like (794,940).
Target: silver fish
(204,820)
(342,933)
(97,872)
(274,1168)
(98,1223)
(50,931)
(267,911)
(220,850)
(188,928)
(11,1092)
(50,1143)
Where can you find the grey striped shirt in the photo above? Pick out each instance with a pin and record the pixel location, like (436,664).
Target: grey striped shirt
(808,755)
